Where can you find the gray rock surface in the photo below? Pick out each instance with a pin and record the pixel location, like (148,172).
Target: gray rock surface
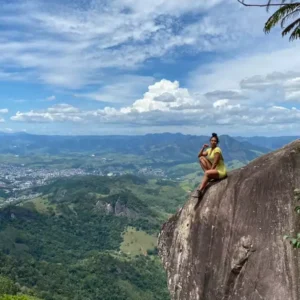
(118,209)
(229,245)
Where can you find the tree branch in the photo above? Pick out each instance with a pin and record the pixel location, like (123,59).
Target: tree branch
(264,5)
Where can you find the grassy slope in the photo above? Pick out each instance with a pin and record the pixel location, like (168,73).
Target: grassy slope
(137,242)
(63,245)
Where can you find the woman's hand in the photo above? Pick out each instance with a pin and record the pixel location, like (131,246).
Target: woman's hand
(202,151)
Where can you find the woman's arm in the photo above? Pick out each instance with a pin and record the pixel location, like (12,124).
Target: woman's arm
(201,153)
(216,160)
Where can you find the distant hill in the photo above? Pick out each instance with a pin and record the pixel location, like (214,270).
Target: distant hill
(161,147)
(272,143)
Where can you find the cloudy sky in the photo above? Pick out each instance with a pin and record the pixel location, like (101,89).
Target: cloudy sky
(139,66)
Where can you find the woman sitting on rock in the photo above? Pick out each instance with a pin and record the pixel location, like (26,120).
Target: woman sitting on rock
(212,162)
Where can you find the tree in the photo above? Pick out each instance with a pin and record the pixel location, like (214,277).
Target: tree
(7,286)
(19,297)
(284,13)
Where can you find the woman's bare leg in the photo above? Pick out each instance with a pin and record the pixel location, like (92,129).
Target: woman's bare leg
(204,163)
(209,174)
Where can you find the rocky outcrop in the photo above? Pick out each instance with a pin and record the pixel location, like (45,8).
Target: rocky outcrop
(229,245)
(121,209)
(107,208)
(118,209)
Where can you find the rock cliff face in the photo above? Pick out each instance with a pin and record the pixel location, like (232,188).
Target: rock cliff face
(118,209)
(229,245)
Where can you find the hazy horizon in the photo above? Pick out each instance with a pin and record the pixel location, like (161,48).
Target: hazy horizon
(154,133)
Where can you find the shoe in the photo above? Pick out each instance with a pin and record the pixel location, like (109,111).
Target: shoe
(200,192)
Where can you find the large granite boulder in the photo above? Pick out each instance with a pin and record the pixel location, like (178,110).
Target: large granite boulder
(229,245)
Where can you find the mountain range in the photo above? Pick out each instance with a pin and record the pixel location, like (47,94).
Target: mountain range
(165,146)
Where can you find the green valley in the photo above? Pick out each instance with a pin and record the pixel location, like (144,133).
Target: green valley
(80,216)
(89,237)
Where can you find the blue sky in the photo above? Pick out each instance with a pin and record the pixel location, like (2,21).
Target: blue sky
(136,66)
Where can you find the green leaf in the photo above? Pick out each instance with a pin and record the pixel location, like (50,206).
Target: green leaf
(295,34)
(290,27)
(282,15)
(294,242)
(289,16)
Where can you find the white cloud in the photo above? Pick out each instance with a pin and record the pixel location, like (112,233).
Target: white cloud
(119,89)
(227,75)
(259,78)
(71,46)
(3,111)
(12,76)
(20,100)
(51,98)
(63,108)
(283,87)
(162,96)
(252,79)
(57,113)
(165,97)
(185,109)
(226,94)
(172,7)
(220,103)
(8,130)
